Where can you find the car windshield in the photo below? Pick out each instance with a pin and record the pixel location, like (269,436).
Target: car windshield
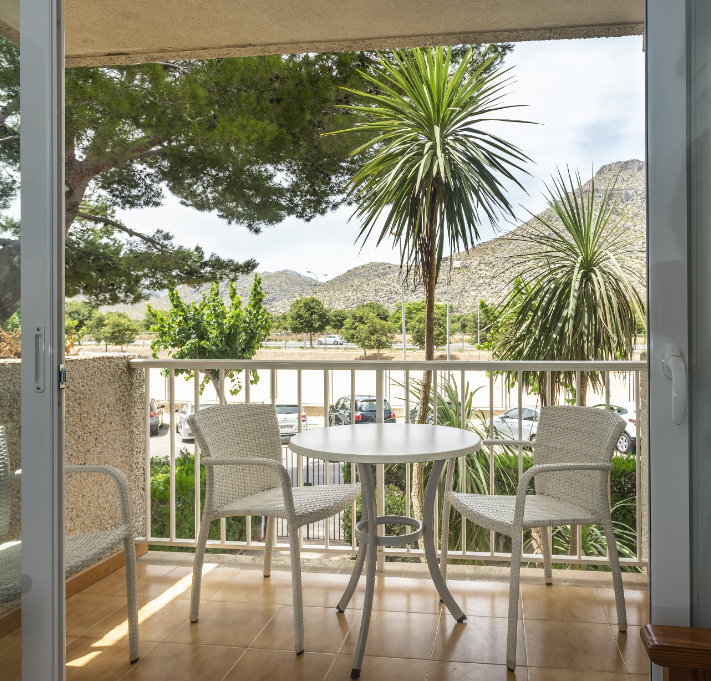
(287,409)
(369,405)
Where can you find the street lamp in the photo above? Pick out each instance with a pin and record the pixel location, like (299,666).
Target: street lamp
(457,264)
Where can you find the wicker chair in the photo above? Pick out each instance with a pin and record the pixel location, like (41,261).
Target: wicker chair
(241,452)
(80,551)
(572,460)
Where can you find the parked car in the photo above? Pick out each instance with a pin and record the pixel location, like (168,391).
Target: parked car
(506,424)
(364,412)
(156,416)
(627,444)
(415,410)
(332,339)
(181,425)
(288,416)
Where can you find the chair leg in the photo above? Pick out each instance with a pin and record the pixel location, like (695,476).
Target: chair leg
(132,599)
(268,546)
(512,635)
(197,569)
(296,586)
(616,573)
(547,555)
(444,544)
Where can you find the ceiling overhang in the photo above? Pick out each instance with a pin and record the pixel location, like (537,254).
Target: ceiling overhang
(102,32)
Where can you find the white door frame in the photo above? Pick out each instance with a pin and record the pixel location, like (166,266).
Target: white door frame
(42,242)
(668,312)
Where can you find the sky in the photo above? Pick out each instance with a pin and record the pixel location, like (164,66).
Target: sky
(585,96)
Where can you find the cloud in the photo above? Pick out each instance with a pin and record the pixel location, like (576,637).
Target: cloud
(587,97)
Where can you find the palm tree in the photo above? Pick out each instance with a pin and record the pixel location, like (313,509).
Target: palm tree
(579,298)
(434,173)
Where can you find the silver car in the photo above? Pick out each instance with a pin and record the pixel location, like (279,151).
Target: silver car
(506,425)
(288,416)
(627,444)
(333,339)
(181,425)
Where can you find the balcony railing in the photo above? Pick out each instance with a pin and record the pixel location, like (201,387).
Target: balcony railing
(305,382)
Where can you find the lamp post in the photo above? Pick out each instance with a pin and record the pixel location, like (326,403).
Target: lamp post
(457,264)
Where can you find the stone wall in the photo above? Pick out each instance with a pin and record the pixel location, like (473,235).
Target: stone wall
(104,425)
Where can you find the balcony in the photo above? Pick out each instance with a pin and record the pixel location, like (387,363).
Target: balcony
(246,626)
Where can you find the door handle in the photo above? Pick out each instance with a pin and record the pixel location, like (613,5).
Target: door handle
(674,368)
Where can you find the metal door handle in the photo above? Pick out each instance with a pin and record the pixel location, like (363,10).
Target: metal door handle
(674,368)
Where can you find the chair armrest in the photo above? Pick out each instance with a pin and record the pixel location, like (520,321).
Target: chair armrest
(284,479)
(542,468)
(121,487)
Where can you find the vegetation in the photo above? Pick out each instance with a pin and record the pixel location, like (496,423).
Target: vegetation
(434,173)
(417,328)
(119,329)
(368,331)
(579,298)
(308,315)
(337,318)
(210,329)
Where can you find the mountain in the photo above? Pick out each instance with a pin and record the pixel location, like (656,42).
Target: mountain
(486,271)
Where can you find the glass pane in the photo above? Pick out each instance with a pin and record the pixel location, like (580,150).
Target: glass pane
(10,546)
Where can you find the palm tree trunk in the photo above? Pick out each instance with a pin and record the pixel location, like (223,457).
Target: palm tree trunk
(428,250)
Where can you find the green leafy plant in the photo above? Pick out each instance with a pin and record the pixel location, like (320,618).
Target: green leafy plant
(367,330)
(308,315)
(210,329)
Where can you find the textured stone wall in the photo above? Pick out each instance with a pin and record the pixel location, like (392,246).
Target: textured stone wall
(104,425)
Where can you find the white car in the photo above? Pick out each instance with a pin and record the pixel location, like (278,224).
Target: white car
(288,416)
(332,339)
(181,425)
(506,425)
(627,444)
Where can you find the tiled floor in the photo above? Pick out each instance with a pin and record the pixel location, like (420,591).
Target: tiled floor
(245,632)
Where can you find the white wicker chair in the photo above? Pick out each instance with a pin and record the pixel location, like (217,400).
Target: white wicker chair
(572,460)
(80,551)
(241,450)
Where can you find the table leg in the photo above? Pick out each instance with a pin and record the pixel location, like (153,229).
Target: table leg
(429,541)
(368,497)
(357,569)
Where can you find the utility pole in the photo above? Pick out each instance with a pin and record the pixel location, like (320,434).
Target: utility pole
(457,264)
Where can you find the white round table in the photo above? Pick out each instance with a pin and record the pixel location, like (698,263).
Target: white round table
(387,443)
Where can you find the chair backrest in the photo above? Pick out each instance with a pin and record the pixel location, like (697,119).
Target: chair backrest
(234,431)
(5,486)
(576,435)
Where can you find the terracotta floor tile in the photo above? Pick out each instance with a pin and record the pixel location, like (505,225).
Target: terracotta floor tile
(157,619)
(572,645)
(379,669)
(11,655)
(471,671)
(90,660)
(397,634)
(214,578)
(325,591)
(546,674)
(250,586)
(479,639)
(482,599)
(404,594)
(86,610)
(636,605)
(561,603)
(268,665)
(324,630)
(632,649)
(178,662)
(225,624)
(115,583)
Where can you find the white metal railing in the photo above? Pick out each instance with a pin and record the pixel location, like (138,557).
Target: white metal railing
(386,380)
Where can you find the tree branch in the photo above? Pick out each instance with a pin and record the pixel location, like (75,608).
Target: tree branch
(9,140)
(169,66)
(123,228)
(9,109)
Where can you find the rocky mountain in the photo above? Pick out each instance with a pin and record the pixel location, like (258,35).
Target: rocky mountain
(486,271)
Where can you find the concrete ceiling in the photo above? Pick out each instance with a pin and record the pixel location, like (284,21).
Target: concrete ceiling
(129,31)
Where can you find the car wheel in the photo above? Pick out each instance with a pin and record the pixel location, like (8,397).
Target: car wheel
(154,431)
(624,444)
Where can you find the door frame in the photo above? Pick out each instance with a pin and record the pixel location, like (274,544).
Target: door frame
(42,403)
